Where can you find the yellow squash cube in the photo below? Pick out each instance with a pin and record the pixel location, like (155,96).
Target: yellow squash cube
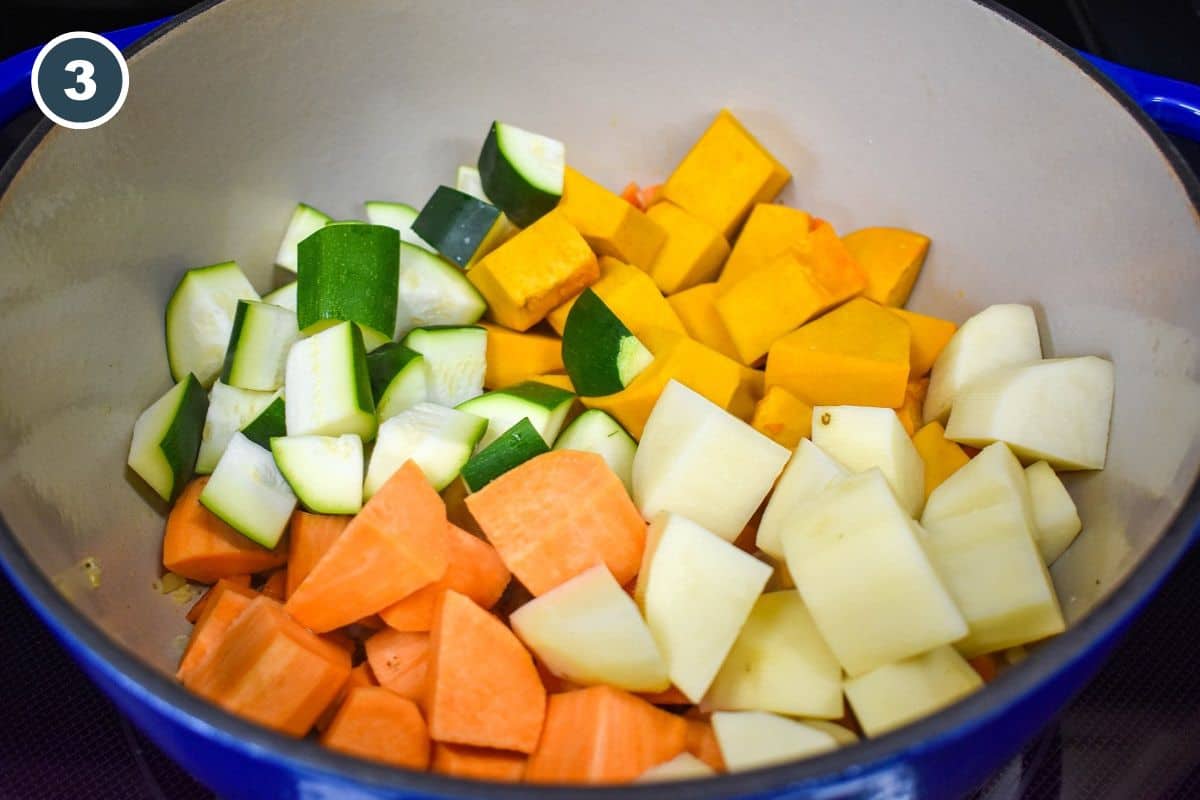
(784,417)
(942,457)
(631,295)
(909,411)
(612,226)
(675,357)
(929,337)
(855,355)
(782,295)
(535,271)
(724,174)
(770,231)
(692,254)
(697,309)
(514,357)
(749,392)
(892,259)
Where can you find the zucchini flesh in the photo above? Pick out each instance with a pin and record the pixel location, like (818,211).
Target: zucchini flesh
(199,319)
(600,354)
(546,407)
(512,448)
(166,438)
(249,493)
(467,180)
(455,361)
(462,228)
(399,216)
(258,346)
(325,472)
(284,297)
(522,172)
(349,272)
(432,291)
(594,431)
(305,220)
(229,410)
(397,379)
(439,440)
(328,387)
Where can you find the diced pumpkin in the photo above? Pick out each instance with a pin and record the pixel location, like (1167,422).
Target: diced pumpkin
(603,735)
(770,231)
(399,661)
(359,676)
(193,615)
(225,602)
(473,568)
(702,743)
(535,271)
(784,417)
(679,358)
(379,725)
(697,309)
(724,175)
(559,514)
(482,688)
(749,391)
(692,254)
(515,357)
(781,295)
(930,336)
(892,259)
(630,294)
(309,537)
(478,763)
(610,225)
(855,355)
(201,547)
(270,670)
(909,411)
(942,457)
(394,546)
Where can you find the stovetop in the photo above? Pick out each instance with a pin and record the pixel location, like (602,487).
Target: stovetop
(1134,732)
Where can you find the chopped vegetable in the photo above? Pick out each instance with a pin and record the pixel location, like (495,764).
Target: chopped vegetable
(600,354)
(438,440)
(756,739)
(309,537)
(284,297)
(702,743)
(223,604)
(557,515)
(348,273)
(200,318)
(376,724)
(462,228)
(697,310)
(861,438)
(544,406)
(304,222)
(482,688)
(359,676)
(611,226)
(328,387)
(478,763)
(782,416)
(941,456)
(594,431)
(398,379)
(510,449)
(631,294)
(455,361)
(516,357)
(929,337)
(809,472)
(394,546)
(258,345)
(270,422)
(891,258)
(431,291)
(248,491)
(193,615)
(1055,516)
(770,232)
(910,411)
(893,694)
(399,216)
(325,472)
(201,547)
(692,254)
(400,662)
(229,410)
(522,172)
(167,437)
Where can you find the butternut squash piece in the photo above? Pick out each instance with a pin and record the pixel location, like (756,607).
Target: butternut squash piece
(725,173)
(697,310)
(692,254)
(855,355)
(942,457)
(782,416)
(770,231)
(515,357)
(749,391)
(610,225)
(909,411)
(536,270)
(892,259)
(929,337)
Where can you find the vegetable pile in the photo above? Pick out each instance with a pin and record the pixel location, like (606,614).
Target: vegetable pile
(698,480)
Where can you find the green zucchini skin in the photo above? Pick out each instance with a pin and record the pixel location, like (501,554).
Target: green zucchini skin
(270,423)
(181,443)
(349,272)
(514,447)
(600,354)
(506,182)
(460,227)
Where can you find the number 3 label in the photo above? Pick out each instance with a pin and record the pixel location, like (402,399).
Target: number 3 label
(84,70)
(79,80)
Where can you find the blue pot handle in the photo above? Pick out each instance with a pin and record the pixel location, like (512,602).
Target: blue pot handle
(16,95)
(1174,105)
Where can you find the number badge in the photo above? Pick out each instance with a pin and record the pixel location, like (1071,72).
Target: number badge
(80,80)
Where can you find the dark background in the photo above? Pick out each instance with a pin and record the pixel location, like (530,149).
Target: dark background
(1133,733)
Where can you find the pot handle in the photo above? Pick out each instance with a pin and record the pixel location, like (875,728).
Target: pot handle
(16,94)
(1174,105)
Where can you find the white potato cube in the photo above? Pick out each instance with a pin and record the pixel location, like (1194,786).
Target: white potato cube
(1054,512)
(679,768)
(980,535)
(998,336)
(861,437)
(589,631)
(696,591)
(857,560)
(1057,410)
(809,472)
(896,694)
(698,460)
(779,663)
(753,739)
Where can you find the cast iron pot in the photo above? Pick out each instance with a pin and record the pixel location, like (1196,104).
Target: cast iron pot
(1038,182)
